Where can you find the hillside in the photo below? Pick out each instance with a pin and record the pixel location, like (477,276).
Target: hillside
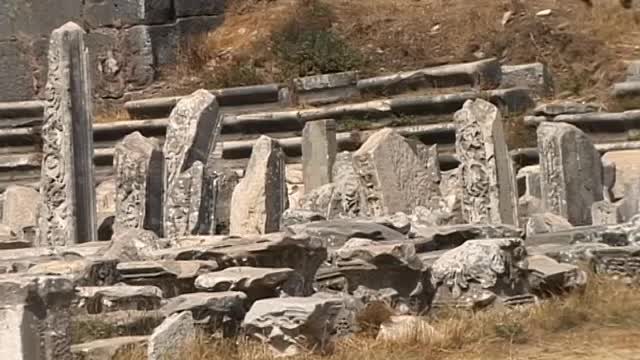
(276,40)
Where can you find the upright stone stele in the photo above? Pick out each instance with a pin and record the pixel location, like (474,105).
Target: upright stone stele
(571,179)
(392,176)
(68,211)
(318,153)
(260,198)
(138,168)
(488,179)
(192,132)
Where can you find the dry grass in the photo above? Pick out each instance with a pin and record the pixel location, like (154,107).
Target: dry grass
(111,114)
(566,324)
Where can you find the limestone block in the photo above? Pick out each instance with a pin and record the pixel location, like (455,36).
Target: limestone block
(535,76)
(36,318)
(488,179)
(542,223)
(292,325)
(571,172)
(68,210)
(318,153)
(192,132)
(391,174)
(168,339)
(261,196)
(138,168)
(20,209)
(257,283)
(606,213)
(102,299)
(627,168)
(480,273)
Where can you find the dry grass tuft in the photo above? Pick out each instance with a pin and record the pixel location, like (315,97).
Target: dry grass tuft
(111,114)
(605,304)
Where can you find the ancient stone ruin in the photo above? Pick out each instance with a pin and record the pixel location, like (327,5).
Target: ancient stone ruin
(208,220)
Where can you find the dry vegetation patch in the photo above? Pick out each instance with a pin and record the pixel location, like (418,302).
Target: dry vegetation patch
(564,327)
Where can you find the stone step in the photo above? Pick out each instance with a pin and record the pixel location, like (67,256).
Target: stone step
(273,95)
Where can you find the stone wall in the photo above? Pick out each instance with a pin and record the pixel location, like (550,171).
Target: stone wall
(130,41)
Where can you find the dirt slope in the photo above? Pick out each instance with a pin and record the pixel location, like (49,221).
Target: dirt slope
(274,40)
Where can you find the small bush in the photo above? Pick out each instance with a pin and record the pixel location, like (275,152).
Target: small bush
(307,46)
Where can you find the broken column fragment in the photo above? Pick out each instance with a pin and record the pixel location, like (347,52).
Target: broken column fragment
(138,168)
(571,178)
(486,170)
(192,131)
(318,153)
(393,177)
(68,210)
(261,196)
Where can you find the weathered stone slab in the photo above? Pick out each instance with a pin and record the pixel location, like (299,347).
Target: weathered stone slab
(566,107)
(627,168)
(535,76)
(542,223)
(292,325)
(192,132)
(344,197)
(138,168)
(20,208)
(629,206)
(171,336)
(172,277)
(82,272)
(214,310)
(299,216)
(257,283)
(391,174)
(318,153)
(183,208)
(547,277)
(68,211)
(480,273)
(302,253)
(365,267)
(434,238)
(36,319)
(483,74)
(337,232)
(261,196)
(488,178)
(606,213)
(326,88)
(227,180)
(100,299)
(571,172)
(617,261)
(107,349)
(131,245)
